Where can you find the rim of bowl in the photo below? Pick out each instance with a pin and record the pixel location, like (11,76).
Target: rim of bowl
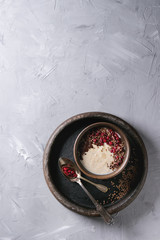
(121,167)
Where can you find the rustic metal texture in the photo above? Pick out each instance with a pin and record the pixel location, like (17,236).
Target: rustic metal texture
(51,161)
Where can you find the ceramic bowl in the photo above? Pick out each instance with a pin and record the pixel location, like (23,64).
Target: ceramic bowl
(76,150)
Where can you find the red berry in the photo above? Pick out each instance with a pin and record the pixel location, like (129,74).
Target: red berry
(65,168)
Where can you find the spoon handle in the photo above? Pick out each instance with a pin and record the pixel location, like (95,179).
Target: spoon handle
(100,187)
(100,209)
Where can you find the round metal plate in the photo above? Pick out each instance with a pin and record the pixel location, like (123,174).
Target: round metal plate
(123,189)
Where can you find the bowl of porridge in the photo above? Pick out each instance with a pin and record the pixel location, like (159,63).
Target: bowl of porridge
(101,150)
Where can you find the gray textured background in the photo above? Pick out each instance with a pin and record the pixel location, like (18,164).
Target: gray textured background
(59,58)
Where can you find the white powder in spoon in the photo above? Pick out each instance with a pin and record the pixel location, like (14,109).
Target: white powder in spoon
(98,159)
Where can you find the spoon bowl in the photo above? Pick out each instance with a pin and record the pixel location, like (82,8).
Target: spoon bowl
(67,162)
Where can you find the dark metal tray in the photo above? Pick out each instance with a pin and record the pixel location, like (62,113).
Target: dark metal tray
(123,188)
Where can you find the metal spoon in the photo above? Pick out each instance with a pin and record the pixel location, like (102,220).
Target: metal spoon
(66,161)
(100,209)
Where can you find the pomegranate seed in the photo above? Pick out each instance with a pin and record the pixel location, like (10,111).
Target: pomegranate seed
(65,168)
(110,143)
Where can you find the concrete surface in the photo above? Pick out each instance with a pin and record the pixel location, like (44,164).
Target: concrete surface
(59,58)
